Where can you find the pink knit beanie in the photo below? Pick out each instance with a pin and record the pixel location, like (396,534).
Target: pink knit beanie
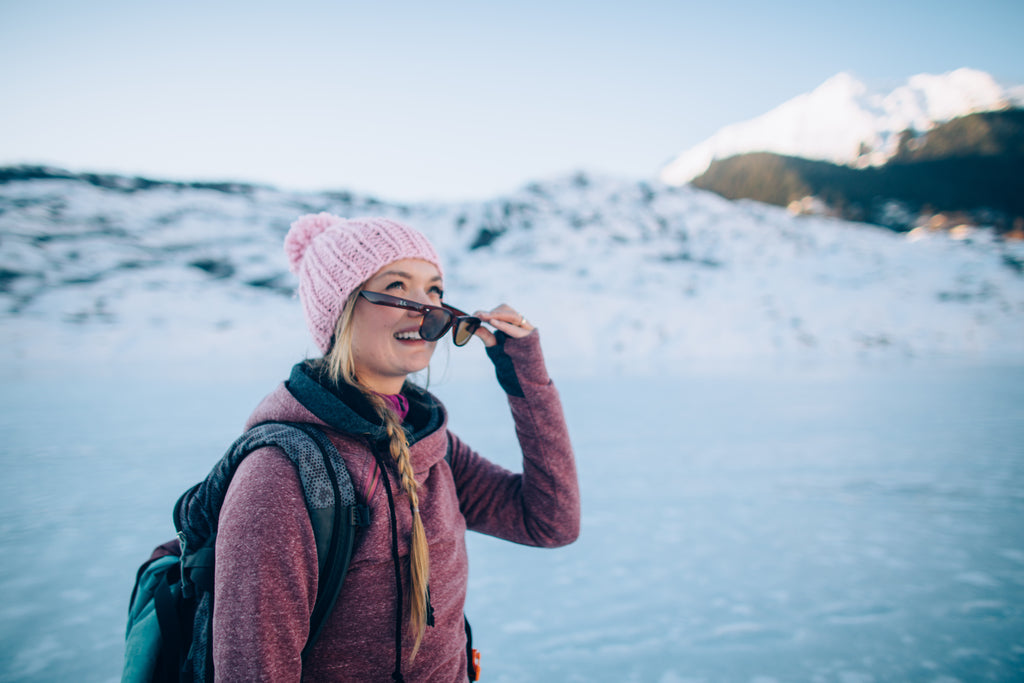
(333,256)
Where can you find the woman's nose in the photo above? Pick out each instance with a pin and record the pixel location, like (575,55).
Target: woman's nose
(421,297)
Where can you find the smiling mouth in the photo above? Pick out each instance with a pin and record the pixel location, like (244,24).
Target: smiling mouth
(409,335)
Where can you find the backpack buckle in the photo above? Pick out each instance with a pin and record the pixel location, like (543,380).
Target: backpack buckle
(187,588)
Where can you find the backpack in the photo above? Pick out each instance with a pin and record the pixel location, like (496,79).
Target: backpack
(170,614)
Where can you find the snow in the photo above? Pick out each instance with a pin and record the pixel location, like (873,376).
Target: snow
(755,526)
(622,277)
(841,121)
(798,438)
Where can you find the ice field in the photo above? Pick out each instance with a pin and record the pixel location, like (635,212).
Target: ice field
(849,525)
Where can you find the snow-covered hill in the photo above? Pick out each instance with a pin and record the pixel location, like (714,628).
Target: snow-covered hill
(843,122)
(619,276)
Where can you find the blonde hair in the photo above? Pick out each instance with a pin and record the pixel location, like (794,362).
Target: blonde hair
(340,366)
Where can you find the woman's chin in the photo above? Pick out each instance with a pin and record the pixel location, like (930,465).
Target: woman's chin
(419,359)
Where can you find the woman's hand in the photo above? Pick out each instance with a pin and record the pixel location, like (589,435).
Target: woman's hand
(505,319)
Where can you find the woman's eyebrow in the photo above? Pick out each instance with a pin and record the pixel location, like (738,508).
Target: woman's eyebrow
(395,273)
(408,276)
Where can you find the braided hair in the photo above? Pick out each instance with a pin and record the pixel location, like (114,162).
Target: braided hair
(340,366)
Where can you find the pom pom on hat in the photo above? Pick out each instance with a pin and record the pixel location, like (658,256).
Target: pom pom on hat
(333,256)
(302,234)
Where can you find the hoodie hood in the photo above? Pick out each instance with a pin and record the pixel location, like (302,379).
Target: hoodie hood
(309,396)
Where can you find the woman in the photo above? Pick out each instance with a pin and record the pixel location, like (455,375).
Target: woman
(400,611)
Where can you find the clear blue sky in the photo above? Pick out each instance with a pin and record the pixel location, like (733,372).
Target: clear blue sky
(444,100)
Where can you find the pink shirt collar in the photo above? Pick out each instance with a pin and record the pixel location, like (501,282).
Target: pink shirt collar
(397,403)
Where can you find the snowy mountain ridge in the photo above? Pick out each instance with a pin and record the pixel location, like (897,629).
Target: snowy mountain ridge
(843,122)
(619,276)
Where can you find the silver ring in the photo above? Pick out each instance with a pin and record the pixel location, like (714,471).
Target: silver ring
(522,320)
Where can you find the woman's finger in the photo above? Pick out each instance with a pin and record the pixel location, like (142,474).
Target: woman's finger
(486,336)
(508,320)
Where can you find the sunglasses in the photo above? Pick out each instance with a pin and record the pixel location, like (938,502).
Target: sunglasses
(436,320)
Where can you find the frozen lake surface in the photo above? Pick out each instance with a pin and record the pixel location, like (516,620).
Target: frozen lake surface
(844,526)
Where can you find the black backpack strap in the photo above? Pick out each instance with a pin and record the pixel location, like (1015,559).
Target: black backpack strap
(339,525)
(330,499)
(472,655)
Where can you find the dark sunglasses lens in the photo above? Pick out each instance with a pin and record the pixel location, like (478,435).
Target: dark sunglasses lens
(434,324)
(464,329)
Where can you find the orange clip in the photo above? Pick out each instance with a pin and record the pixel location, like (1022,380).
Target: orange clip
(474,667)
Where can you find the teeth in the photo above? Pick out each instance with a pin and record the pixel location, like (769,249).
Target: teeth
(407,335)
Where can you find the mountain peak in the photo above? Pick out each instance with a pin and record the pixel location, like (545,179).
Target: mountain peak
(844,122)
(843,82)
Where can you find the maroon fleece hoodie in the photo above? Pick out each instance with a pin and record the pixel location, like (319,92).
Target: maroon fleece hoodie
(266,574)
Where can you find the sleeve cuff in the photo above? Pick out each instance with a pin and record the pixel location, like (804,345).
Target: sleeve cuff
(517,361)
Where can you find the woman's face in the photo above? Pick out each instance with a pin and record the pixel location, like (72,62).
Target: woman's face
(386,345)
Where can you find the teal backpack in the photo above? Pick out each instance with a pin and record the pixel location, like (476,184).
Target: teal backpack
(170,614)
